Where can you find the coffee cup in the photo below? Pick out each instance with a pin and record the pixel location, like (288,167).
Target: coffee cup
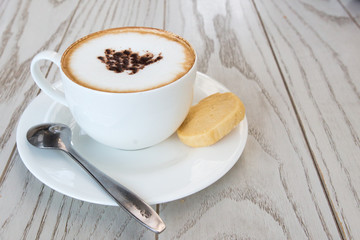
(128,88)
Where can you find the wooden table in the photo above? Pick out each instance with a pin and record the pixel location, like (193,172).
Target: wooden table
(295,65)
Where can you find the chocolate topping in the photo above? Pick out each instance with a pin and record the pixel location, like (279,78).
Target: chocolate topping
(127,60)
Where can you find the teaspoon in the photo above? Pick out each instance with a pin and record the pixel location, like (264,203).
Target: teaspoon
(58,136)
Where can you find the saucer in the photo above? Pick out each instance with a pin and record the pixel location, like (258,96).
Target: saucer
(165,172)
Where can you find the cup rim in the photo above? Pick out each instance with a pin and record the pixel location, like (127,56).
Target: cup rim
(134,29)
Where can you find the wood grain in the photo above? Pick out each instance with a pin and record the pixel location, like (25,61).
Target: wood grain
(352,8)
(34,211)
(274,191)
(293,63)
(318,55)
(21,38)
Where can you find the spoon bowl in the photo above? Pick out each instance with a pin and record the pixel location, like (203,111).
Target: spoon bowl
(48,135)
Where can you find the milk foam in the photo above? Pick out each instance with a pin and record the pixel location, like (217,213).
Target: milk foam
(86,69)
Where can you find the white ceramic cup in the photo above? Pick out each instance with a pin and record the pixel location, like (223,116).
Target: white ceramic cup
(126,121)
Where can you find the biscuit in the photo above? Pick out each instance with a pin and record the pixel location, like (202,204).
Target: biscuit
(211,119)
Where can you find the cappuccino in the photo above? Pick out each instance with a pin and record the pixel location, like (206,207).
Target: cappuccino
(131,59)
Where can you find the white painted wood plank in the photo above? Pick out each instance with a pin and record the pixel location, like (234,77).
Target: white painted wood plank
(273,192)
(25,29)
(318,50)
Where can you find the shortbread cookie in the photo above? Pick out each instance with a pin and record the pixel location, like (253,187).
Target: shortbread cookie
(211,119)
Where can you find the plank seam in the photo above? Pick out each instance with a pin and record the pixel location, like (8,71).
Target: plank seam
(348,13)
(318,170)
(164,19)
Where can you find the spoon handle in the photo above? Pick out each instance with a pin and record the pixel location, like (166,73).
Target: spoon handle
(129,201)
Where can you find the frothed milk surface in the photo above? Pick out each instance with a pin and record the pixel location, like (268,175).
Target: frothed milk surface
(99,60)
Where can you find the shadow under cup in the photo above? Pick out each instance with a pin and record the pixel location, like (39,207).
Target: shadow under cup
(124,120)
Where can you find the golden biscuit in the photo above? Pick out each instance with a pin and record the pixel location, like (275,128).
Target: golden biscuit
(211,119)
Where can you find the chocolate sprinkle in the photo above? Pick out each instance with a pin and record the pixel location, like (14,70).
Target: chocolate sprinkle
(127,60)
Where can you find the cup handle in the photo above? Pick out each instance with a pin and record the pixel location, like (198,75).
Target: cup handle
(40,79)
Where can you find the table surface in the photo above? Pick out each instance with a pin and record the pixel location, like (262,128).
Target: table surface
(294,64)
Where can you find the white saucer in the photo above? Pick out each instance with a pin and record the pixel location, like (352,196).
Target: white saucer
(162,173)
